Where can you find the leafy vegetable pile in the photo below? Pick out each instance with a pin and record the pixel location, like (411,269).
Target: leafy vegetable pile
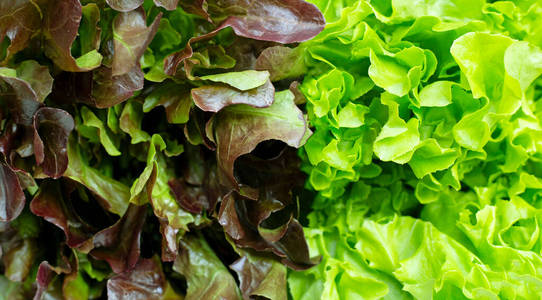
(426,155)
(146,153)
(205,149)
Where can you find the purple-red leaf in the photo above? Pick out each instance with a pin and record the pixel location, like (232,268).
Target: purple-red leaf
(198,189)
(52,127)
(145,281)
(21,98)
(286,21)
(62,19)
(215,97)
(295,248)
(197,7)
(260,276)
(110,90)
(172,62)
(119,244)
(98,88)
(236,215)
(23,89)
(46,273)
(19,20)
(55,206)
(169,241)
(131,38)
(265,221)
(73,87)
(230,220)
(12,198)
(187,197)
(238,129)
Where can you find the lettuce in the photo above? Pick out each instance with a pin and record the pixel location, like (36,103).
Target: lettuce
(140,147)
(426,151)
(322,149)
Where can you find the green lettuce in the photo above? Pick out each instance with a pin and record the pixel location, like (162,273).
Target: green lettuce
(426,151)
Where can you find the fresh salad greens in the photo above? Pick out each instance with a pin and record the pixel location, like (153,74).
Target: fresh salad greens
(143,153)
(426,157)
(270,149)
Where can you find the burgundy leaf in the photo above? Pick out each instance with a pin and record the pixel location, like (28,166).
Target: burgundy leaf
(241,218)
(7,139)
(289,243)
(266,222)
(21,99)
(286,21)
(261,173)
(172,62)
(169,241)
(52,127)
(119,244)
(246,52)
(167,4)
(185,197)
(98,88)
(295,248)
(54,205)
(73,87)
(299,96)
(12,198)
(229,218)
(69,267)
(233,217)
(215,97)
(238,129)
(43,279)
(20,19)
(197,7)
(199,188)
(132,36)
(16,143)
(124,5)
(109,90)
(46,273)
(22,91)
(145,281)
(62,19)
(260,276)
